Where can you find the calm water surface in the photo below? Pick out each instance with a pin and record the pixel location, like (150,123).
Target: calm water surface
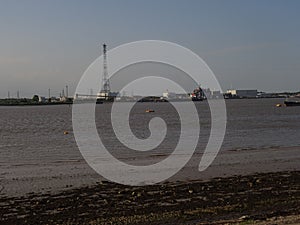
(34,134)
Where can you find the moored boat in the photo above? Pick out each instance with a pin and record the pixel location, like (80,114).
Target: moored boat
(293,101)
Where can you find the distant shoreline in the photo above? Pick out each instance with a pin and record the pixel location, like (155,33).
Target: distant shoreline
(70,103)
(37,104)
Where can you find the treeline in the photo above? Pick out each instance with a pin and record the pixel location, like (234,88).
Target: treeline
(28,101)
(17,101)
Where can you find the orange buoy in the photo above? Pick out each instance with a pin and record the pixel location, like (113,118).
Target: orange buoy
(149,111)
(66,132)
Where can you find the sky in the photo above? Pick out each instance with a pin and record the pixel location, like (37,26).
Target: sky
(251,44)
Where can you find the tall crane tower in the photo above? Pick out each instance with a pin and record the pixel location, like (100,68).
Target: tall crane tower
(105,80)
(105,93)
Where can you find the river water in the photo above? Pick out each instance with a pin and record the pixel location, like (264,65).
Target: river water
(35,134)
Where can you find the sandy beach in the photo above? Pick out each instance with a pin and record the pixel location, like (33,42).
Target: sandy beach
(250,185)
(23,179)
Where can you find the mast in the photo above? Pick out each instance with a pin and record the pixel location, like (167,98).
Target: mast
(105,81)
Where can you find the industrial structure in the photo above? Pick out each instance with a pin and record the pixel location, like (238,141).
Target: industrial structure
(105,94)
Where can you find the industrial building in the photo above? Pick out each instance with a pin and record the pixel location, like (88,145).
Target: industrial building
(242,93)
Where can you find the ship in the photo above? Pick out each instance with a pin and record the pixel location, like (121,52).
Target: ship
(293,101)
(198,95)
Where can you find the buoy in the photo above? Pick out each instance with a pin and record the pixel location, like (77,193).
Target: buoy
(66,132)
(149,111)
(278,105)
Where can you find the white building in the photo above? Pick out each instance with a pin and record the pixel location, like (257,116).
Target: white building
(243,93)
(42,99)
(169,95)
(216,94)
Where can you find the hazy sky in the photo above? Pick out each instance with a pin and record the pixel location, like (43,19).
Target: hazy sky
(248,44)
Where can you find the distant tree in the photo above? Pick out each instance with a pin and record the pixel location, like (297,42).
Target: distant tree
(35,98)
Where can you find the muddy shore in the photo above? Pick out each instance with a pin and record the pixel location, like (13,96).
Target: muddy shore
(219,201)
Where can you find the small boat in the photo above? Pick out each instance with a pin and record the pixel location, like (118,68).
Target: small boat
(150,111)
(293,101)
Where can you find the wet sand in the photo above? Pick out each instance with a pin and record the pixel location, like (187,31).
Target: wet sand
(242,185)
(21,180)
